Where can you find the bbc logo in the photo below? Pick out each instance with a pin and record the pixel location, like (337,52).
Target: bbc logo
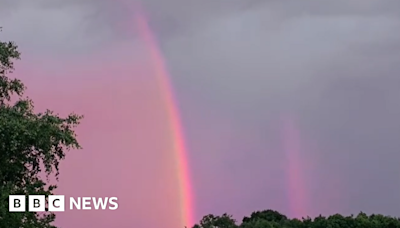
(36,203)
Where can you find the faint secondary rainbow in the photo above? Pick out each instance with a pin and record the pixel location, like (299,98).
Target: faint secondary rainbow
(295,176)
(179,148)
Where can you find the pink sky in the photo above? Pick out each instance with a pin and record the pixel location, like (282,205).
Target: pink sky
(125,135)
(236,67)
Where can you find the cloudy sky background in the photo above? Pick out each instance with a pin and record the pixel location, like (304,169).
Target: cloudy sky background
(250,76)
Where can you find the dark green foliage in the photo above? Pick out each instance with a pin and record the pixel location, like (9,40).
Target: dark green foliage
(274,219)
(211,221)
(268,215)
(31,145)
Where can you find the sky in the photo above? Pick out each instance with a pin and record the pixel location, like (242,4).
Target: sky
(289,105)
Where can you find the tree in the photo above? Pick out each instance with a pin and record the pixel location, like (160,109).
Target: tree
(267,215)
(274,219)
(31,144)
(211,221)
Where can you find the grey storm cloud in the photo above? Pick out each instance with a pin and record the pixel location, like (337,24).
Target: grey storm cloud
(238,65)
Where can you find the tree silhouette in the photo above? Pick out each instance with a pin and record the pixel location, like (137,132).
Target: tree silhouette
(274,219)
(31,144)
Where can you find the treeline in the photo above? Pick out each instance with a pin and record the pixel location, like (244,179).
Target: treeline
(274,219)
